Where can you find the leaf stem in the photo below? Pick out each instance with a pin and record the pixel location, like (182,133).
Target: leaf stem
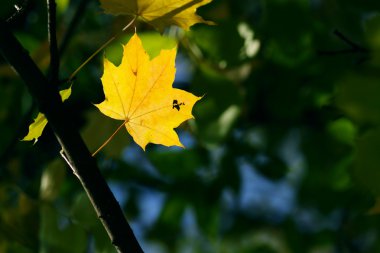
(101,48)
(110,138)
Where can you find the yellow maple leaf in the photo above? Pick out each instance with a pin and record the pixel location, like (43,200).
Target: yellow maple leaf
(139,91)
(159,13)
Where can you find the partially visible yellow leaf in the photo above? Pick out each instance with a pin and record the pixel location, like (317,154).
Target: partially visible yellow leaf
(65,94)
(36,128)
(39,123)
(139,92)
(159,13)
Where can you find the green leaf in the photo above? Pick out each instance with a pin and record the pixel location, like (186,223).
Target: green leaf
(153,42)
(343,130)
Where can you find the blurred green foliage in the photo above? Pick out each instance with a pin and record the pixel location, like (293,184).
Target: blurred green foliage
(283,154)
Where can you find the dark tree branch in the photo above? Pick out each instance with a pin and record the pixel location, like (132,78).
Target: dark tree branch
(52,36)
(83,164)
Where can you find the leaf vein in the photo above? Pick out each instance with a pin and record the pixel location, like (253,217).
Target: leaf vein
(150,89)
(155,130)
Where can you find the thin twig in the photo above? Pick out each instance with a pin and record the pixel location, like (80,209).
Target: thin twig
(52,36)
(352,44)
(354,48)
(101,48)
(19,10)
(62,153)
(337,52)
(110,138)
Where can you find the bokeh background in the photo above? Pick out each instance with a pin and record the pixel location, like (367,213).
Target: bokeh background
(283,155)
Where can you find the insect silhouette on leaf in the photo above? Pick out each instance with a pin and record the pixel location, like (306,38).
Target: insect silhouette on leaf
(177,105)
